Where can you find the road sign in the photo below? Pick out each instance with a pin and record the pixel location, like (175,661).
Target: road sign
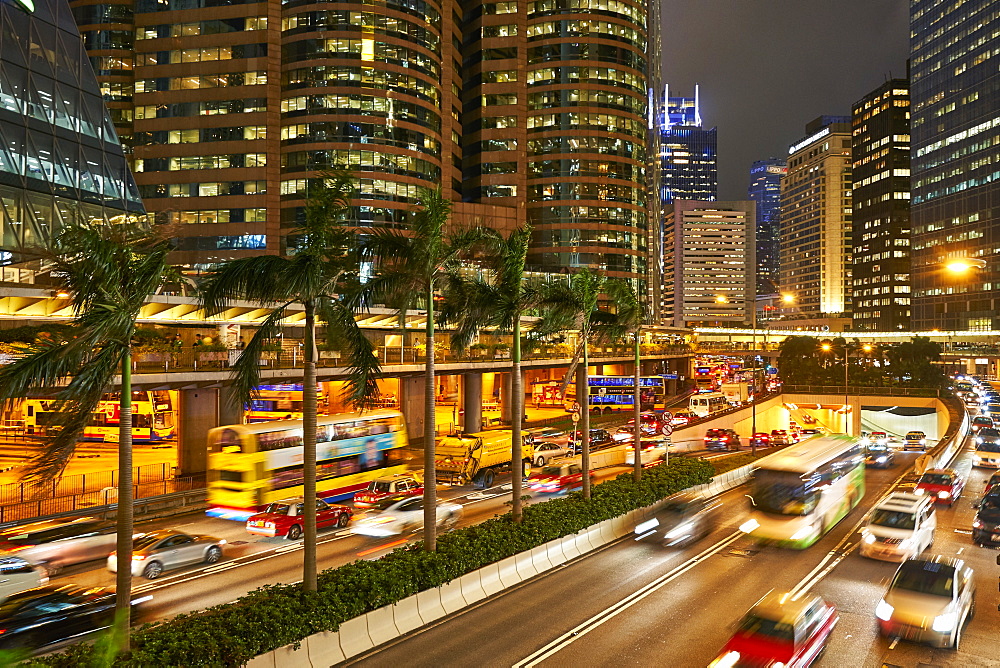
(666,416)
(576,407)
(576,416)
(667,429)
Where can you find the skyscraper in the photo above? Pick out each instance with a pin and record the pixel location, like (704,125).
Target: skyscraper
(60,159)
(881,208)
(765,190)
(709,276)
(815,248)
(517,113)
(955,212)
(689,168)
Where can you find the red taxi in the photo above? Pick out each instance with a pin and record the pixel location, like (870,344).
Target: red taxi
(942,485)
(284,518)
(386,486)
(780,630)
(556,478)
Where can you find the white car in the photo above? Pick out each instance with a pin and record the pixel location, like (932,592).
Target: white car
(652,451)
(899,528)
(395,517)
(547,451)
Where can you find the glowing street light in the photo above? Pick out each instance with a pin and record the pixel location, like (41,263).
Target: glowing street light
(963,265)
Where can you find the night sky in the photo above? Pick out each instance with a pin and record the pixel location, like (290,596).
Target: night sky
(768,67)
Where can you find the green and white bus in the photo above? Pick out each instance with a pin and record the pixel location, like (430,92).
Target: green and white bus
(800,493)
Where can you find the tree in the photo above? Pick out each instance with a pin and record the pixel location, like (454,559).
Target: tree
(498,300)
(412,265)
(573,304)
(321,274)
(798,360)
(911,362)
(108,270)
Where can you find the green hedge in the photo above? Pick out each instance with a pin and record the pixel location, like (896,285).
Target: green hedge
(278,615)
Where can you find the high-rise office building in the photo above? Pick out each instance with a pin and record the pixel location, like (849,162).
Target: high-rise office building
(709,276)
(60,159)
(521,112)
(815,247)
(688,163)
(955,206)
(765,190)
(881,208)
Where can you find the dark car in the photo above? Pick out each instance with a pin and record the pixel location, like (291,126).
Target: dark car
(760,440)
(879,456)
(981,421)
(599,438)
(994,481)
(43,616)
(685,518)
(986,525)
(722,439)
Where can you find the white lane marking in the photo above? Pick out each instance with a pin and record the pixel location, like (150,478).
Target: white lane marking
(612,611)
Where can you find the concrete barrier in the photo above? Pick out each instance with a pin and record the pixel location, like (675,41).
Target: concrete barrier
(606,531)
(429,605)
(490,579)
(323,649)
(540,559)
(555,552)
(508,572)
(525,565)
(472,587)
(618,525)
(569,546)
(451,597)
(381,625)
(262,660)
(406,615)
(354,638)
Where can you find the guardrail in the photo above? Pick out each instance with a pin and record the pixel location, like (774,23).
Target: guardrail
(864,391)
(946,449)
(80,484)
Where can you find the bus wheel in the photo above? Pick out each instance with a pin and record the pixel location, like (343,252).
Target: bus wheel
(294,532)
(488,478)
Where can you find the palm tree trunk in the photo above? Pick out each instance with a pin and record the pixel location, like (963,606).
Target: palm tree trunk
(637,432)
(585,419)
(430,390)
(517,406)
(309,452)
(124,519)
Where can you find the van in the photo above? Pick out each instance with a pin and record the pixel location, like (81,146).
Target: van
(17,575)
(899,528)
(55,544)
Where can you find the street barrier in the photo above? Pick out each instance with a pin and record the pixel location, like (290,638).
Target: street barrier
(451,597)
(540,559)
(472,587)
(525,566)
(322,648)
(406,615)
(491,582)
(354,638)
(429,605)
(508,572)
(381,626)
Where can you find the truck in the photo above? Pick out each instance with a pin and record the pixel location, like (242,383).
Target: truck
(737,394)
(477,458)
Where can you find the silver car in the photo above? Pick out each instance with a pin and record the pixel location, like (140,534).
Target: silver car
(55,544)
(545,452)
(158,551)
(929,600)
(395,517)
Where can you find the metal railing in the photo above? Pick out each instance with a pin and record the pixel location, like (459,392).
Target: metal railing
(80,484)
(864,391)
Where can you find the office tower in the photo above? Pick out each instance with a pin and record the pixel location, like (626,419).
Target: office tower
(881,208)
(60,159)
(709,276)
(518,114)
(955,93)
(815,244)
(765,190)
(689,169)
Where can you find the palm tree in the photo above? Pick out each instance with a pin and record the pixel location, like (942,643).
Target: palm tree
(108,270)
(322,275)
(412,265)
(572,304)
(498,300)
(630,315)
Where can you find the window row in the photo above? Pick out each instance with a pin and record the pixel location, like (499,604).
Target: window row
(578,237)
(202,55)
(95,14)
(575,120)
(367,77)
(208,189)
(361,105)
(386,163)
(591,98)
(205,108)
(616,261)
(377,189)
(636,14)
(211,216)
(144,6)
(201,162)
(587,28)
(196,82)
(608,192)
(360,133)
(196,136)
(367,50)
(594,168)
(575,74)
(602,145)
(419,8)
(584,51)
(228,242)
(366,22)
(210,27)
(596,215)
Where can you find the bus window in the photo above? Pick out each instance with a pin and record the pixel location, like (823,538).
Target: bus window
(140,421)
(227,441)
(231,476)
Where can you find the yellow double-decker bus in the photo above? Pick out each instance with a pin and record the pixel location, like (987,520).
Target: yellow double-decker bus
(251,465)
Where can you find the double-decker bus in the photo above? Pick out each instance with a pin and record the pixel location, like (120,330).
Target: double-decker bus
(607,393)
(800,493)
(280,402)
(706,403)
(152,417)
(251,465)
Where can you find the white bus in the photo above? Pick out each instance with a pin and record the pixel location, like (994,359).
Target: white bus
(800,493)
(707,403)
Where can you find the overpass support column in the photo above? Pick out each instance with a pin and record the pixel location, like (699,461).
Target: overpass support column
(855,416)
(199,412)
(229,413)
(411,403)
(472,402)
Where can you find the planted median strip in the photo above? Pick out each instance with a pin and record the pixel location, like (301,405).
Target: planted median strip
(278,615)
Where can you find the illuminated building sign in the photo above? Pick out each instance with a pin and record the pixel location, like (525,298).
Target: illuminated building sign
(805,142)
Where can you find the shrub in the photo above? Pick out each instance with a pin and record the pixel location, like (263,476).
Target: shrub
(278,615)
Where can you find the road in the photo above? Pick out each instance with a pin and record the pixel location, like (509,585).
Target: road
(637,603)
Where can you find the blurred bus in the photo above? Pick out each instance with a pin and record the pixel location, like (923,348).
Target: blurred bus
(152,417)
(251,465)
(707,403)
(280,402)
(607,393)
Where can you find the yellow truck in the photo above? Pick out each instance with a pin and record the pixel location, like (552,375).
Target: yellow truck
(477,458)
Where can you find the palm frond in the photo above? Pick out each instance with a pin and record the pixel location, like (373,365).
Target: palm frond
(45,367)
(256,279)
(362,358)
(246,371)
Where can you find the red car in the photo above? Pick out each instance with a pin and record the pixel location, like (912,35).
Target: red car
(386,486)
(556,478)
(943,485)
(780,630)
(284,518)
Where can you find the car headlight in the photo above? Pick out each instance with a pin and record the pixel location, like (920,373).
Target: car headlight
(881,459)
(977,524)
(946,622)
(919,491)
(679,530)
(883,611)
(749,526)
(803,533)
(905,544)
(944,495)
(869,538)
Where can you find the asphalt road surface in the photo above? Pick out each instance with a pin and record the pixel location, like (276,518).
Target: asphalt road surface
(637,603)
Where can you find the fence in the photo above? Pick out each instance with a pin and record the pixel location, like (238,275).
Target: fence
(81,484)
(863,391)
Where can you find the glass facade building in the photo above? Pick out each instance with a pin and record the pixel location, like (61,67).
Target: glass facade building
(955,206)
(60,159)
(880,124)
(765,190)
(520,112)
(688,163)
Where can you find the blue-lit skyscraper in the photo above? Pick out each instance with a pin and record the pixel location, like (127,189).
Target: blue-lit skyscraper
(765,190)
(689,169)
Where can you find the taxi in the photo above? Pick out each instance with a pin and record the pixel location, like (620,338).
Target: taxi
(386,486)
(285,518)
(780,630)
(942,485)
(557,477)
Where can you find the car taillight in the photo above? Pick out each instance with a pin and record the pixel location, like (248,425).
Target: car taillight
(138,557)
